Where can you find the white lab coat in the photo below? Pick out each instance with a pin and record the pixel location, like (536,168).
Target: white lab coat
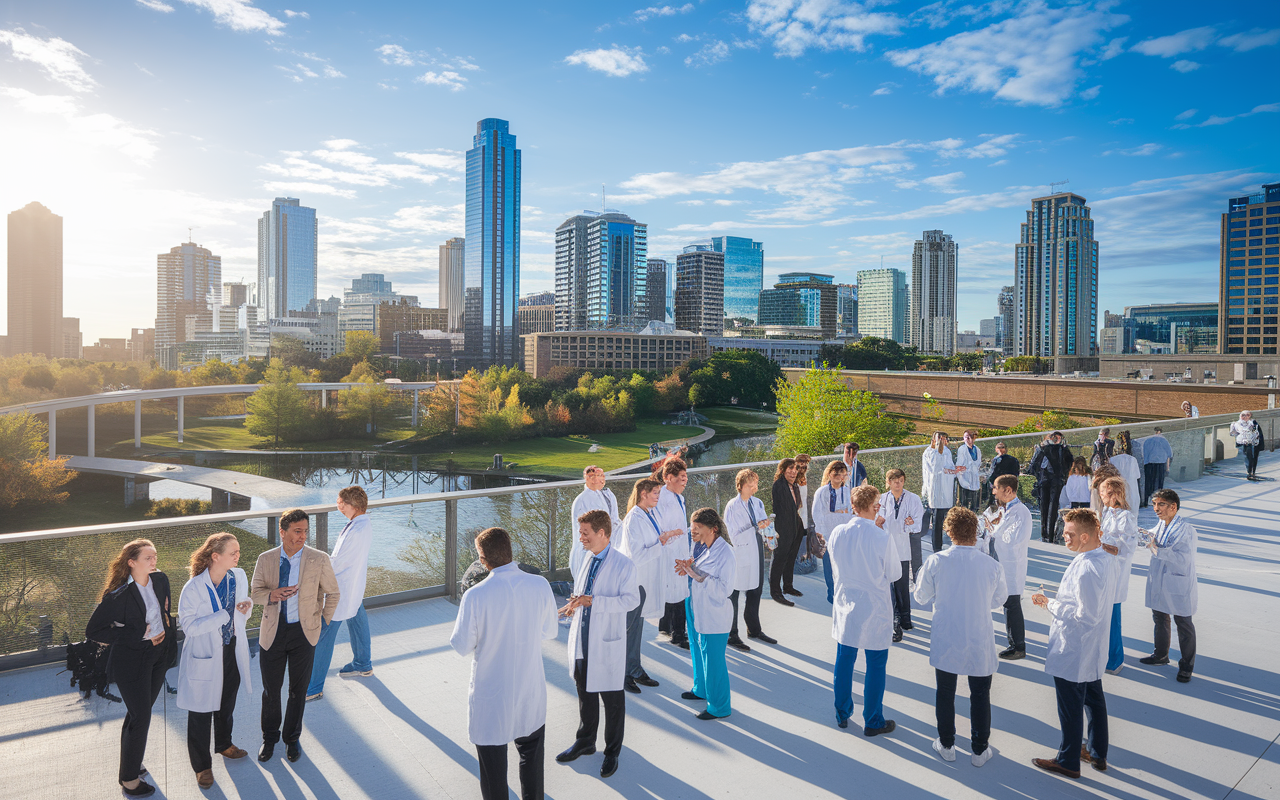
(803,507)
(503,620)
(639,542)
(746,551)
(865,562)
(590,500)
(1171,578)
(1120,528)
(1131,471)
(824,519)
(971,477)
(1010,539)
(712,611)
(672,515)
(200,667)
(1076,490)
(350,559)
(896,526)
(965,585)
(614,593)
(939,487)
(1080,633)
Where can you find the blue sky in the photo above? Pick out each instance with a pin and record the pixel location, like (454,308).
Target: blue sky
(834,132)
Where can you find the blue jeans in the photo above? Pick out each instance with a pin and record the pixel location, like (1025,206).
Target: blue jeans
(872,685)
(710,669)
(361,650)
(1115,652)
(830,576)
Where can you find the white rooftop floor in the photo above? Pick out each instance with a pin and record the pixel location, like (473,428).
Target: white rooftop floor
(402,733)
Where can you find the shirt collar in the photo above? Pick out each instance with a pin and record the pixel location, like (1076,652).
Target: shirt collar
(601,555)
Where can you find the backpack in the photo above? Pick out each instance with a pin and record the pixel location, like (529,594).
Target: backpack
(87,663)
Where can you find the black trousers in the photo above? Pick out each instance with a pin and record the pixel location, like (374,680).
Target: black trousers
(1186,639)
(291,648)
(979,709)
(198,722)
(615,712)
(673,622)
(1015,625)
(751,614)
(1251,452)
(939,517)
(1048,510)
(1153,475)
(493,767)
(139,676)
(782,572)
(968,497)
(901,591)
(1074,700)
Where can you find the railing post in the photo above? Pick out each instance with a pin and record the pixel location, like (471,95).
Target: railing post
(322,531)
(553,509)
(451,547)
(273,531)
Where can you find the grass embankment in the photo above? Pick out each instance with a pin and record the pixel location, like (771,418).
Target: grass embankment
(231,434)
(734,421)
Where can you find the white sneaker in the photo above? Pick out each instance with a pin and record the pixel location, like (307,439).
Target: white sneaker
(1116,671)
(315,696)
(947,753)
(978,759)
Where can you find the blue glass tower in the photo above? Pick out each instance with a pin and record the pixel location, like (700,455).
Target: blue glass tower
(601,272)
(287,262)
(491,262)
(743,274)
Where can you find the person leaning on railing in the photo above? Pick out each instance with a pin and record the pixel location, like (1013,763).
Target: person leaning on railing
(133,618)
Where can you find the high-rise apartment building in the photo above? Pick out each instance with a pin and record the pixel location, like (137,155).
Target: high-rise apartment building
(743,275)
(451,281)
(1056,279)
(699,292)
(492,257)
(35,281)
(657,291)
(882,304)
(1005,306)
(846,309)
(804,299)
(72,338)
(601,264)
(288,242)
(1249,263)
(188,288)
(933,294)
(1168,327)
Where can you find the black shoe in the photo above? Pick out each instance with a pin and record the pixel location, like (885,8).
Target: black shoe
(143,789)
(267,750)
(783,600)
(793,592)
(630,685)
(705,715)
(645,680)
(1154,660)
(1184,677)
(762,636)
(683,644)
(906,625)
(609,766)
(292,751)
(578,749)
(738,644)
(142,770)
(1012,653)
(897,633)
(690,696)
(842,722)
(889,725)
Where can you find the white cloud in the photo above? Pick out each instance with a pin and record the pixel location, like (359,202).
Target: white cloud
(395,54)
(1183,65)
(885,88)
(447,78)
(240,15)
(1091,93)
(662,11)
(684,37)
(1187,41)
(292,14)
(304,187)
(1188,114)
(1269,108)
(59,58)
(795,26)
(943,13)
(1148,149)
(343,163)
(431,220)
(991,146)
(462,62)
(330,72)
(307,71)
(616,61)
(1114,48)
(1029,59)
(1244,42)
(945,183)
(88,130)
(711,53)
(156,5)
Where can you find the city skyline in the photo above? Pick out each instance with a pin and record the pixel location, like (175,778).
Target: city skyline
(1136,110)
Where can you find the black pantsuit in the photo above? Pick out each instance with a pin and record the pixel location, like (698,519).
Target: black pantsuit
(790,528)
(493,767)
(139,678)
(291,648)
(198,722)
(1186,639)
(615,712)
(979,709)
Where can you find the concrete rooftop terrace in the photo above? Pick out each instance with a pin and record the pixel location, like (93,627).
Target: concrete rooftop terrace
(402,733)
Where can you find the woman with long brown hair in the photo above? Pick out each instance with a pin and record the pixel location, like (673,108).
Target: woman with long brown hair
(710,614)
(790,528)
(133,617)
(213,609)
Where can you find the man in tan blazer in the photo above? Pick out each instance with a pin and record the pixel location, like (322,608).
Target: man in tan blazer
(297,590)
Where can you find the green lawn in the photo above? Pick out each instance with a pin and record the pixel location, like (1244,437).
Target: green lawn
(231,434)
(734,421)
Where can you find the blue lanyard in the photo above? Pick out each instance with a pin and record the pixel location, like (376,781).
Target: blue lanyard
(652,522)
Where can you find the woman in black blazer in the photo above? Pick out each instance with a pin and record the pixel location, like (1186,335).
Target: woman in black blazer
(133,617)
(790,528)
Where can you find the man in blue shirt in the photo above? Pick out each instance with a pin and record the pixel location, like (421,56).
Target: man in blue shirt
(1157,455)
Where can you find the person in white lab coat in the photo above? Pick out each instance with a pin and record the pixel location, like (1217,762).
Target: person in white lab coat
(594,495)
(709,573)
(745,518)
(673,517)
(603,593)
(1011,536)
(964,585)
(901,514)
(1077,653)
(1129,468)
(1076,491)
(831,509)
(1119,532)
(350,559)
(1171,582)
(865,561)
(212,612)
(641,541)
(969,479)
(939,485)
(503,620)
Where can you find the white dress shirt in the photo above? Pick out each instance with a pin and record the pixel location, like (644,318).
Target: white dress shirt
(1120,528)
(1011,538)
(965,585)
(712,611)
(350,560)
(895,523)
(591,500)
(743,532)
(672,515)
(865,562)
(639,542)
(1080,633)
(155,624)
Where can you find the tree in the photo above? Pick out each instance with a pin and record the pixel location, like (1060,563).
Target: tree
(361,345)
(26,477)
(292,352)
(366,402)
(820,411)
(39,377)
(279,409)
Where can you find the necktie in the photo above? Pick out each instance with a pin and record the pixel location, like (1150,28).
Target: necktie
(897,503)
(284,581)
(586,590)
(608,501)
(833,498)
(752,514)
(227,593)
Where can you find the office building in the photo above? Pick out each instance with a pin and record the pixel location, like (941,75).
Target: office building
(427,344)
(699,291)
(393,317)
(1248,267)
(188,288)
(105,350)
(360,302)
(451,281)
(601,261)
(658,347)
(658,291)
(1005,306)
(846,310)
(743,275)
(1173,328)
(804,299)
(72,339)
(882,304)
(35,281)
(237,294)
(287,257)
(933,294)
(492,257)
(800,353)
(1056,279)
(538,313)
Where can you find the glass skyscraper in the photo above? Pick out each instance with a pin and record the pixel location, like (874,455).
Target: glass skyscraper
(882,304)
(287,262)
(492,256)
(743,275)
(601,265)
(1056,279)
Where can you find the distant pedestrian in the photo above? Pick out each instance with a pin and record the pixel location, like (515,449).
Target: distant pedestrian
(1189,411)
(1050,464)
(1172,589)
(938,487)
(1249,440)
(1157,456)
(969,464)
(857,470)
(1103,448)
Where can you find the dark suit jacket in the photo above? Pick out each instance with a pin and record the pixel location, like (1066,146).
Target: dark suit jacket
(1051,463)
(1003,465)
(1106,444)
(786,509)
(120,620)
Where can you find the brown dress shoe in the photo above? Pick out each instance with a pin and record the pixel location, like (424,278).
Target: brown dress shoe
(1050,765)
(233,752)
(1100,764)
(204,778)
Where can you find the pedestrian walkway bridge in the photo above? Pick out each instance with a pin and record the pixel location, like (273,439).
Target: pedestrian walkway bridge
(231,490)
